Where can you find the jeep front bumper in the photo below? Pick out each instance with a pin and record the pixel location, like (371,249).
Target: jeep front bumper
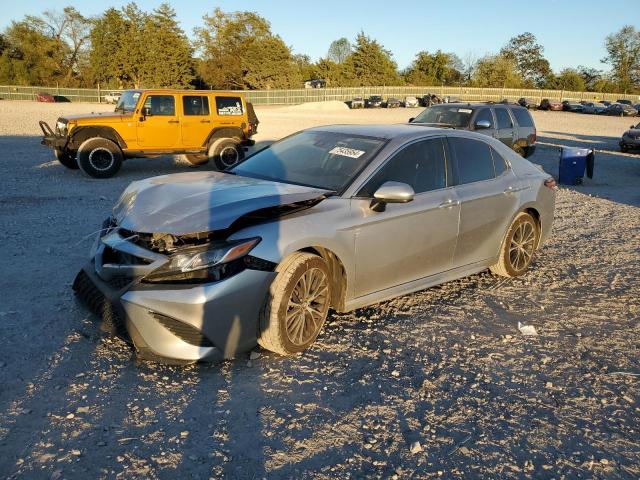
(52,139)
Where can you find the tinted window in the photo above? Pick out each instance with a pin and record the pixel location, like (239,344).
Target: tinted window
(421,165)
(473,158)
(195,105)
(500,165)
(229,106)
(503,118)
(161,104)
(485,114)
(454,115)
(523,117)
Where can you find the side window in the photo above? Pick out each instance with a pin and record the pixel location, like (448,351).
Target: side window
(473,159)
(421,165)
(499,163)
(195,105)
(523,117)
(229,106)
(161,104)
(503,118)
(485,114)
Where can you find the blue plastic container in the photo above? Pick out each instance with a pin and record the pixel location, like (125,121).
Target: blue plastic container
(573,163)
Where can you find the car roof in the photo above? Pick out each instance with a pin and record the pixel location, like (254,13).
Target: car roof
(478,104)
(190,92)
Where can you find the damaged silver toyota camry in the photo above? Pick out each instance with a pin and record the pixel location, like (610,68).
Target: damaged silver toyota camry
(202,266)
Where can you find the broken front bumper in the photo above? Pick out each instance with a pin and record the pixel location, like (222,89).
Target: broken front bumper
(175,322)
(52,139)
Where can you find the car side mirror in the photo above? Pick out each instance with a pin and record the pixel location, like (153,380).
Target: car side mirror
(482,124)
(146,112)
(632,127)
(391,192)
(412,119)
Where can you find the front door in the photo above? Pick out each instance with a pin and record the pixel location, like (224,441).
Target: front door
(406,241)
(159,128)
(505,131)
(487,200)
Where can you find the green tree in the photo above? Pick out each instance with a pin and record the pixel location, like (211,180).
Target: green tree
(239,51)
(439,68)
(339,50)
(107,39)
(568,79)
(623,54)
(528,55)
(497,71)
(336,75)
(370,64)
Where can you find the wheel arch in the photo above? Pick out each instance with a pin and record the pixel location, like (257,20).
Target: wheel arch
(338,275)
(224,132)
(81,134)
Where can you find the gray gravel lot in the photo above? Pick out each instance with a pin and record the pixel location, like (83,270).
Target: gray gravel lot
(446,367)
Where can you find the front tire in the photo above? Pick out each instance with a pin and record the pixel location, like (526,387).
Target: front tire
(66,159)
(518,247)
(297,305)
(99,158)
(226,153)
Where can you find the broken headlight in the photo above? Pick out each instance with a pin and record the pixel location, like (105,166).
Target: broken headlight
(201,264)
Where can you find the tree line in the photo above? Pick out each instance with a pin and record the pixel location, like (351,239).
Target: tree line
(129,47)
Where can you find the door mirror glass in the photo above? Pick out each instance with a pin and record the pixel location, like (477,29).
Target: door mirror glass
(482,124)
(394,192)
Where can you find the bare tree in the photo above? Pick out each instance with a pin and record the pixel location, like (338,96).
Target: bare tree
(72,31)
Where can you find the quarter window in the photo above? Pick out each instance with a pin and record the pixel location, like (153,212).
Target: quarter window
(161,104)
(499,163)
(421,165)
(229,106)
(485,114)
(523,117)
(195,105)
(473,159)
(503,118)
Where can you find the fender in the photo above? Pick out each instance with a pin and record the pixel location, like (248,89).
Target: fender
(80,134)
(225,132)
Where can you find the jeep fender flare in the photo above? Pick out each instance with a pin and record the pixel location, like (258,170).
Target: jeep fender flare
(81,134)
(224,132)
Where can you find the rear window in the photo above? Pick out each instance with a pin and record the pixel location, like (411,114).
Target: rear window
(523,117)
(195,105)
(229,106)
(473,159)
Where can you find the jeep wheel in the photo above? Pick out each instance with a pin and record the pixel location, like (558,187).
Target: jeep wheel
(66,159)
(226,152)
(99,158)
(196,160)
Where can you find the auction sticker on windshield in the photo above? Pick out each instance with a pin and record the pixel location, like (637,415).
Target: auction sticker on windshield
(347,152)
(465,110)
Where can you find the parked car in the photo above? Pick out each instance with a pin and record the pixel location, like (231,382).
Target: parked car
(205,265)
(527,102)
(621,110)
(357,102)
(202,125)
(548,104)
(411,102)
(624,101)
(594,108)
(112,97)
(637,107)
(374,101)
(606,102)
(429,99)
(393,103)
(512,124)
(572,106)
(630,139)
(45,97)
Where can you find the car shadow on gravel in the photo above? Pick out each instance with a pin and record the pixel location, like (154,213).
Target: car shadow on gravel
(577,140)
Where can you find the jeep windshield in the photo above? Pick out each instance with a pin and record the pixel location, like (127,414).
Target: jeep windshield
(451,115)
(128,101)
(327,160)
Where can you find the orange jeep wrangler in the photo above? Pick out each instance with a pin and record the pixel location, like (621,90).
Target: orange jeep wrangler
(202,125)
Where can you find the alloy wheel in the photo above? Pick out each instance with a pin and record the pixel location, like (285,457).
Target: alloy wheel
(307,307)
(522,245)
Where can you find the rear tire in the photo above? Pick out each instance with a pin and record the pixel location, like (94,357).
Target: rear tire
(66,159)
(196,160)
(518,247)
(226,153)
(297,304)
(99,158)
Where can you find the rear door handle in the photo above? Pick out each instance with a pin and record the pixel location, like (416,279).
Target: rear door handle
(205,121)
(173,121)
(512,189)
(448,203)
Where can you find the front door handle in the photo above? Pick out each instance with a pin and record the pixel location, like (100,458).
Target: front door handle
(173,121)
(448,203)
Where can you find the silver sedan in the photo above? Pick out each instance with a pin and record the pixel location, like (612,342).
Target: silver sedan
(202,266)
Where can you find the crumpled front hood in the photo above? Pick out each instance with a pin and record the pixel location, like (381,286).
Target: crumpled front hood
(198,202)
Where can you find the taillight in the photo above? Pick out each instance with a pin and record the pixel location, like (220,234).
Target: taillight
(551,183)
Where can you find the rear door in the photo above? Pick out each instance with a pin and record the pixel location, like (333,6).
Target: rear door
(505,131)
(487,190)
(407,241)
(160,129)
(195,121)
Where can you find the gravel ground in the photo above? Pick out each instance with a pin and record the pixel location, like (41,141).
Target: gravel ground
(446,367)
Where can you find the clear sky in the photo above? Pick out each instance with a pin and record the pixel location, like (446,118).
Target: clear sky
(571,31)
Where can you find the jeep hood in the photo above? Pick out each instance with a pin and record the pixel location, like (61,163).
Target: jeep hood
(185,203)
(100,115)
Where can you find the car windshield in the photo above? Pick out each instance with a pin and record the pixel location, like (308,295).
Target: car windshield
(327,160)
(453,115)
(128,101)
